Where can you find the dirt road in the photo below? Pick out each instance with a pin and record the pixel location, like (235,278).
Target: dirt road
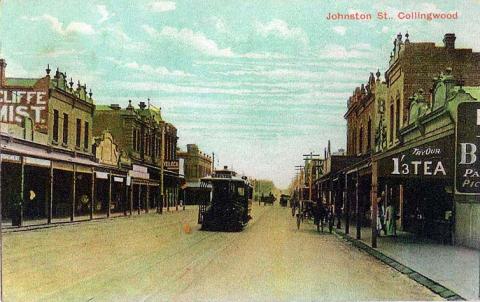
(151,258)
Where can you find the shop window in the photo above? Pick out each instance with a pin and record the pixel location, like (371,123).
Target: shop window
(79,133)
(55,125)
(85,136)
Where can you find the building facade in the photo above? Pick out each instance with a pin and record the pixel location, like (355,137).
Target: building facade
(196,165)
(413,65)
(150,144)
(171,177)
(46,137)
(401,143)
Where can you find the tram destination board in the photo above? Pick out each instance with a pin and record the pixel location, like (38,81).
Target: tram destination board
(467,154)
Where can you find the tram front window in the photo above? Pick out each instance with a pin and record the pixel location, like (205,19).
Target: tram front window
(241,191)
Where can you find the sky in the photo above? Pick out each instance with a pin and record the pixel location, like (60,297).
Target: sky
(258,82)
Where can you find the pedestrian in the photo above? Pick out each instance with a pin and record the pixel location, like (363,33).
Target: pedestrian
(391,220)
(381,214)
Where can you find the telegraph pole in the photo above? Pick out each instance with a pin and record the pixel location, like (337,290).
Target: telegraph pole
(300,181)
(1,238)
(213,162)
(308,158)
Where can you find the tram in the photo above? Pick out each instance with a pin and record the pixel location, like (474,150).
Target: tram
(228,206)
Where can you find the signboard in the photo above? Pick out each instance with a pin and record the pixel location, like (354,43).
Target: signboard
(171,164)
(430,160)
(101,175)
(117,179)
(37,161)
(137,174)
(181,166)
(16,105)
(10,158)
(140,169)
(467,157)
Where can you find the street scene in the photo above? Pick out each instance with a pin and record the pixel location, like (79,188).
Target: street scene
(146,258)
(175,150)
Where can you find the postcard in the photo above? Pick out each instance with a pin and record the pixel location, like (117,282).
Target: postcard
(294,150)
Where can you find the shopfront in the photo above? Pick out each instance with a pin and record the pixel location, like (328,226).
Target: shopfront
(144,190)
(418,182)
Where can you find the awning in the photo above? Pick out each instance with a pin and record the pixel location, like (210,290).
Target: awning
(17,148)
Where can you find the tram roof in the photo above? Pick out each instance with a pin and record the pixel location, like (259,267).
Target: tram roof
(224,177)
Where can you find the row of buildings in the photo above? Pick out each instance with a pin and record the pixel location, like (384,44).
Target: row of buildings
(65,158)
(401,141)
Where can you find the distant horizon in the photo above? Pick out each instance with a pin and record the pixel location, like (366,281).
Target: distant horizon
(259,83)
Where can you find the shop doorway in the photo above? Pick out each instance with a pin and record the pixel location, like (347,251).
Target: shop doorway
(36,195)
(102,188)
(10,192)
(118,206)
(83,192)
(62,198)
(428,208)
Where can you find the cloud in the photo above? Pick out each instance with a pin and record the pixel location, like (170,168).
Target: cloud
(118,33)
(204,45)
(179,89)
(294,75)
(187,37)
(57,26)
(262,55)
(160,71)
(362,46)
(220,25)
(55,53)
(341,30)
(334,51)
(280,29)
(79,27)
(148,69)
(162,6)
(149,30)
(104,13)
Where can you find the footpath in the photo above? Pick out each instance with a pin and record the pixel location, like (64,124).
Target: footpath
(450,271)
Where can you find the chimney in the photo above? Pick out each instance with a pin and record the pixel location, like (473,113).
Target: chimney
(3,66)
(449,41)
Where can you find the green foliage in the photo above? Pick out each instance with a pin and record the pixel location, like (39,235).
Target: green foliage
(266,187)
